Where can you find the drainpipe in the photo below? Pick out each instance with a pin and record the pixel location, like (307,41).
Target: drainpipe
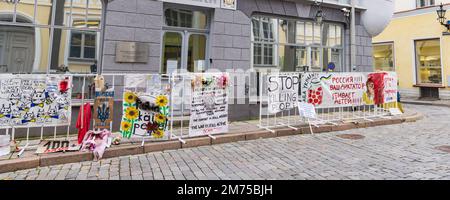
(353,37)
(102,37)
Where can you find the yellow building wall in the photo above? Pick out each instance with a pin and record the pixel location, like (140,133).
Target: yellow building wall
(403,31)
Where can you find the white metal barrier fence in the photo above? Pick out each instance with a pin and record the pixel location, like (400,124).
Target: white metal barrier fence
(180,98)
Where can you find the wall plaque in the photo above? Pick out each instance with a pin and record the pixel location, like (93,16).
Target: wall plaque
(132,52)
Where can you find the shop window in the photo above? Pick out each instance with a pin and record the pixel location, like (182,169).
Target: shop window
(428,61)
(383,57)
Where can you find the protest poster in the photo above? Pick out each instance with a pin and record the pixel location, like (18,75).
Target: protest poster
(328,90)
(103,109)
(282,91)
(306,110)
(54,146)
(35,100)
(144,113)
(209,104)
(380,88)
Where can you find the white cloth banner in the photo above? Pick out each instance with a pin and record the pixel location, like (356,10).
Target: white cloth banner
(282,91)
(328,90)
(35,100)
(209,104)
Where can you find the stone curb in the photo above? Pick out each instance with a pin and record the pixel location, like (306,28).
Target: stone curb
(72,157)
(426,103)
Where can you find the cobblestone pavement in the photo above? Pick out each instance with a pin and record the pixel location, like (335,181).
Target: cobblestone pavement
(404,151)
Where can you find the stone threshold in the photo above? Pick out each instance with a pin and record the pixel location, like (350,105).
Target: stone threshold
(134,149)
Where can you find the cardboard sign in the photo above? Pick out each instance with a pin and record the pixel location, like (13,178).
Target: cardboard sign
(282,91)
(35,100)
(306,110)
(54,146)
(103,109)
(209,104)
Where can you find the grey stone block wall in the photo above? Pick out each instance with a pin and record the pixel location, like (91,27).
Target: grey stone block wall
(133,21)
(230,40)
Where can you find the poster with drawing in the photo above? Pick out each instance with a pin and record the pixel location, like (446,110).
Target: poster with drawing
(209,104)
(329,90)
(35,100)
(381,88)
(282,91)
(145,113)
(103,109)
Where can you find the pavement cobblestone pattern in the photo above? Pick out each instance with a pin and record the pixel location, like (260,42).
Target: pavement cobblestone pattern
(403,151)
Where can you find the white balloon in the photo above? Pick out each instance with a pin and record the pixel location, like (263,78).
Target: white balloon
(377,16)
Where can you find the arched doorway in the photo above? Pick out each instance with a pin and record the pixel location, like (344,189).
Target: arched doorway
(17,46)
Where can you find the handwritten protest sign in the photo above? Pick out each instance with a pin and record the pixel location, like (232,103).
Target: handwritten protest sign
(35,100)
(145,110)
(306,110)
(325,90)
(209,105)
(381,87)
(282,91)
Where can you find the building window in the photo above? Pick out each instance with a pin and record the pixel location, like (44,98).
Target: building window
(294,45)
(424,3)
(383,57)
(186,18)
(428,61)
(264,36)
(56,32)
(83,45)
(46,35)
(185,40)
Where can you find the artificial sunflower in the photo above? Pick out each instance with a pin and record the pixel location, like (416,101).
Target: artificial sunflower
(131,113)
(161,101)
(158,134)
(126,126)
(160,118)
(130,97)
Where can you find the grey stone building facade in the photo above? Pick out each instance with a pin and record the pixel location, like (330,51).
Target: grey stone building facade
(229,32)
(186,34)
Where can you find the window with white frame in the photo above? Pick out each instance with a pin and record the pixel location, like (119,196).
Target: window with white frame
(424,3)
(55,31)
(295,45)
(83,44)
(41,36)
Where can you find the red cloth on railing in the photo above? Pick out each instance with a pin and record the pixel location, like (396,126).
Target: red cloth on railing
(84,127)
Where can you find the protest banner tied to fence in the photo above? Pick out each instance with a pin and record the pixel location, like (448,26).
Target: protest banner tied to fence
(35,100)
(282,91)
(145,112)
(209,104)
(329,90)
